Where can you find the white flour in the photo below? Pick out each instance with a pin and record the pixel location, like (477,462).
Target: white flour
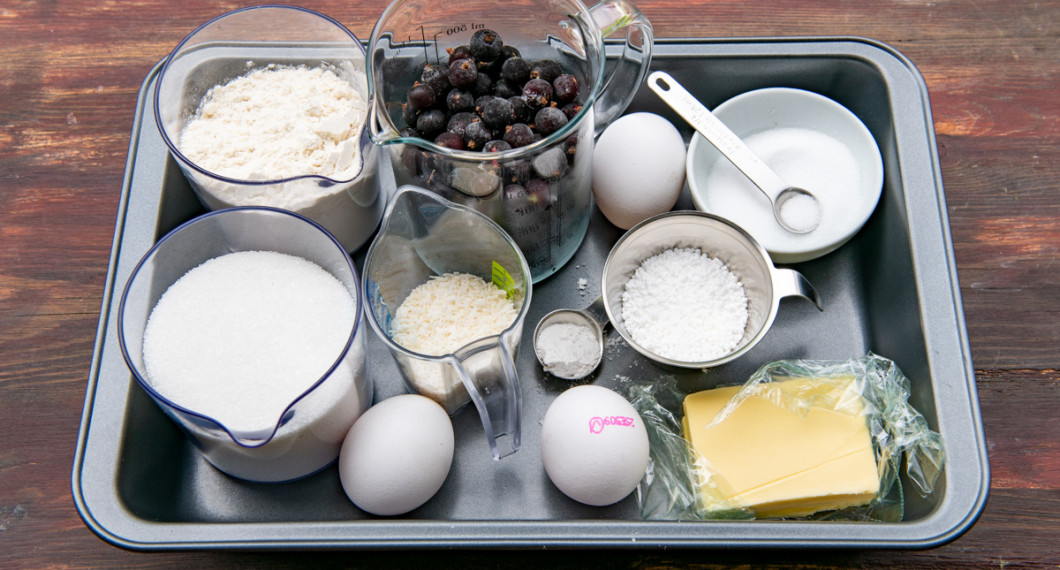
(685,305)
(279,122)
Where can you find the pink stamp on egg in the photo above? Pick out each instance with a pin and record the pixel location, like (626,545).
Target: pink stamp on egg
(597,423)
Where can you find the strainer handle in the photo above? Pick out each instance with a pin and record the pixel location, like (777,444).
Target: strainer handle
(631,67)
(791,283)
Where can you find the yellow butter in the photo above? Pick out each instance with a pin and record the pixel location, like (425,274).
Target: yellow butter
(792,448)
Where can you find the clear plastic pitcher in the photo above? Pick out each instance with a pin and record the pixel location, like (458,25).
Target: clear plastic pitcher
(287,439)
(424,235)
(540,193)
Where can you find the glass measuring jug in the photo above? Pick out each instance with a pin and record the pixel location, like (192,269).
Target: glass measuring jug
(540,193)
(422,236)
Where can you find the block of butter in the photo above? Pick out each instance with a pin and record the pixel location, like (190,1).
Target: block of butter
(790,449)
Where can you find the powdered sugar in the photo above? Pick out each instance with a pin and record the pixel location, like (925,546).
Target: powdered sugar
(568,350)
(685,305)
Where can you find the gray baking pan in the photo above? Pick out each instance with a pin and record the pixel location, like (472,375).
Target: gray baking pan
(891,290)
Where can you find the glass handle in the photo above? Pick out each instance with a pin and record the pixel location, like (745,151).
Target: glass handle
(630,69)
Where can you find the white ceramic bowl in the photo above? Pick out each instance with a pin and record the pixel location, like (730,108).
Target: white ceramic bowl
(848,187)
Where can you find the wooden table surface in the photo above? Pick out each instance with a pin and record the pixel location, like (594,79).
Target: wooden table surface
(69,77)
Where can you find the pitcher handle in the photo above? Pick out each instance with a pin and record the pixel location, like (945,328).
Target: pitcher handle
(631,68)
(791,283)
(498,405)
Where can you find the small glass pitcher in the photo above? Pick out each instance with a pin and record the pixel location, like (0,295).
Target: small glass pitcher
(424,235)
(540,193)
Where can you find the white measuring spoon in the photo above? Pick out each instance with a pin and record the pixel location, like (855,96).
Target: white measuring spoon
(778,192)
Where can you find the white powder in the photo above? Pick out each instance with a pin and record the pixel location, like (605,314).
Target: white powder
(449,311)
(804,158)
(239,337)
(278,122)
(568,350)
(685,305)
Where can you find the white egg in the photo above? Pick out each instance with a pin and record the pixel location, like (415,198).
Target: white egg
(594,445)
(638,168)
(397,455)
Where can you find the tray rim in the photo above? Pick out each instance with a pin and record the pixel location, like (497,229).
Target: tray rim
(396,533)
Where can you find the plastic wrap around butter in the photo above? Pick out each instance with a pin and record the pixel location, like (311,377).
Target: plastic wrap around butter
(819,440)
(785,449)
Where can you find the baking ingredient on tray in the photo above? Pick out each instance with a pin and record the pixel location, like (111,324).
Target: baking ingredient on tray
(684,305)
(594,445)
(397,455)
(568,350)
(449,311)
(790,448)
(805,158)
(638,168)
(487,97)
(242,335)
(278,122)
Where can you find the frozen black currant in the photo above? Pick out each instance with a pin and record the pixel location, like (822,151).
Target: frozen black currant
(538,93)
(437,77)
(451,140)
(420,97)
(458,123)
(516,70)
(502,88)
(431,123)
(498,113)
(459,52)
(519,135)
(571,109)
(546,69)
(496,145)
(463,73)
(486,45)
(521,111)
(477,135)
(483,85)
(549,120)
(409,114)
(565,87)
(459,101)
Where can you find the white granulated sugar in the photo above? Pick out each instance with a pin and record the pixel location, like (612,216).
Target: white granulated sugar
(568,350)
(278,122)
(240,336)
(449,311)
(685,305)
(804,158)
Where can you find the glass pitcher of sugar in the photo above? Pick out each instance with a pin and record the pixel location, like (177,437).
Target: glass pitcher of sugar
(245,326)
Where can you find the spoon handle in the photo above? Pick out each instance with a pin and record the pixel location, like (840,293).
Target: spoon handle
(715,131)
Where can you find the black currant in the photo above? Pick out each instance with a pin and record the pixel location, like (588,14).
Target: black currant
(486,45)
(546,69)
(519,135)
(463,73)
(549,120)
(565,87)
(538,93)
(498,113)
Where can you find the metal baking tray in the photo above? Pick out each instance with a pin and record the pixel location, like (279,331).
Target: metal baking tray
(138,483)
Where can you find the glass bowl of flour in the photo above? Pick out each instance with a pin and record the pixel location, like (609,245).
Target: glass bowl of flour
(266,106)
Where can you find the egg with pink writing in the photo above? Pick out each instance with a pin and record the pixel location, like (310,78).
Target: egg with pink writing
(594,445)
(397,455)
